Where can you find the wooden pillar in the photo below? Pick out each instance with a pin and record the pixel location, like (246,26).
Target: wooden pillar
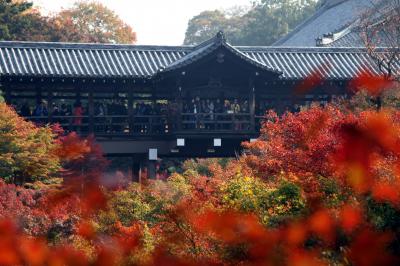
(180,107)
(130,110)
(137,165)
(151,169)
(78,95)
(77,128)
(252,104)
(152,120)
(91,111)
(50,104)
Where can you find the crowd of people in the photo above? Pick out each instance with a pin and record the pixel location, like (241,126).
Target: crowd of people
(148,116)
(211,114)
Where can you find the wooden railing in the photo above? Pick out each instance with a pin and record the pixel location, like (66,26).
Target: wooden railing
(216,122)
(154,124)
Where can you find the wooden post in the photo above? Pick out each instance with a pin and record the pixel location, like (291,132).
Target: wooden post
(78,95)
(77,128)
(252,105)
(180,107)
(151,117)
(91,111)
(130,110)
(137,165)
(50,104)
(151,169)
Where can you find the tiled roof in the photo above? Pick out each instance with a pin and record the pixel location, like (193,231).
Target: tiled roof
(85,60)
(332,63)
(32,59)
(212,45)
(352,35)
(332,16)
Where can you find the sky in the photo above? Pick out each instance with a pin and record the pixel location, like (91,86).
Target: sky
(159,22)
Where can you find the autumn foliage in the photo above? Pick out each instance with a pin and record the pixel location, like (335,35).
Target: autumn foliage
(26,151)
(319,187)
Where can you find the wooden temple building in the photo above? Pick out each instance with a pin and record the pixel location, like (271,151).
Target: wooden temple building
(146,101)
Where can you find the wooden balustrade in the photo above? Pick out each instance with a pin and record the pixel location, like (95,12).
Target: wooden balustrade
(153,124)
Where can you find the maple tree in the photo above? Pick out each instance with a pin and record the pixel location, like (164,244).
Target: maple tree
(93,22)
(27,152)
(84,22)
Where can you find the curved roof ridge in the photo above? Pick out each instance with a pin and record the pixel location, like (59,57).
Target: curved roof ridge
(209,46)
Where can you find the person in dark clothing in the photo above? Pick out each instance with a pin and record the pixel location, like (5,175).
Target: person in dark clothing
(41,109)
(26,110)
(63,112)
(55,113)
(218,107)
(56,110)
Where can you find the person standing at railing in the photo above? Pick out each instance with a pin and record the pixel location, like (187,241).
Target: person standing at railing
(227,110)
(77,113)
(120,111)
(218,109)
(193,110)
(162,124)
(211,109)
(235,107)
(100,113)
(112,111)
(41,111)
(55,113)
(245,119)
(173,119)
(196,111)
(26,110)
(204,117)
(65,111)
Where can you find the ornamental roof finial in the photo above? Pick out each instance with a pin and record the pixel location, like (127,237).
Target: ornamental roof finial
(221,36)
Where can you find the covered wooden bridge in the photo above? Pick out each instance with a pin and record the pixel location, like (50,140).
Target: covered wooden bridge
(178,101)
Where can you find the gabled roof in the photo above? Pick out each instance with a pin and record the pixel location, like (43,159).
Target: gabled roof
(212,45)
(102,61)
(333,16)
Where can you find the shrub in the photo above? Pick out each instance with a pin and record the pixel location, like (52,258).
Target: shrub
(283,204)
(244,193)
(272,205)
(27,152)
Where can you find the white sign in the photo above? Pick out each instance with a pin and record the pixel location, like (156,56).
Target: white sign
(217,142)
(153,156)
(180,142)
